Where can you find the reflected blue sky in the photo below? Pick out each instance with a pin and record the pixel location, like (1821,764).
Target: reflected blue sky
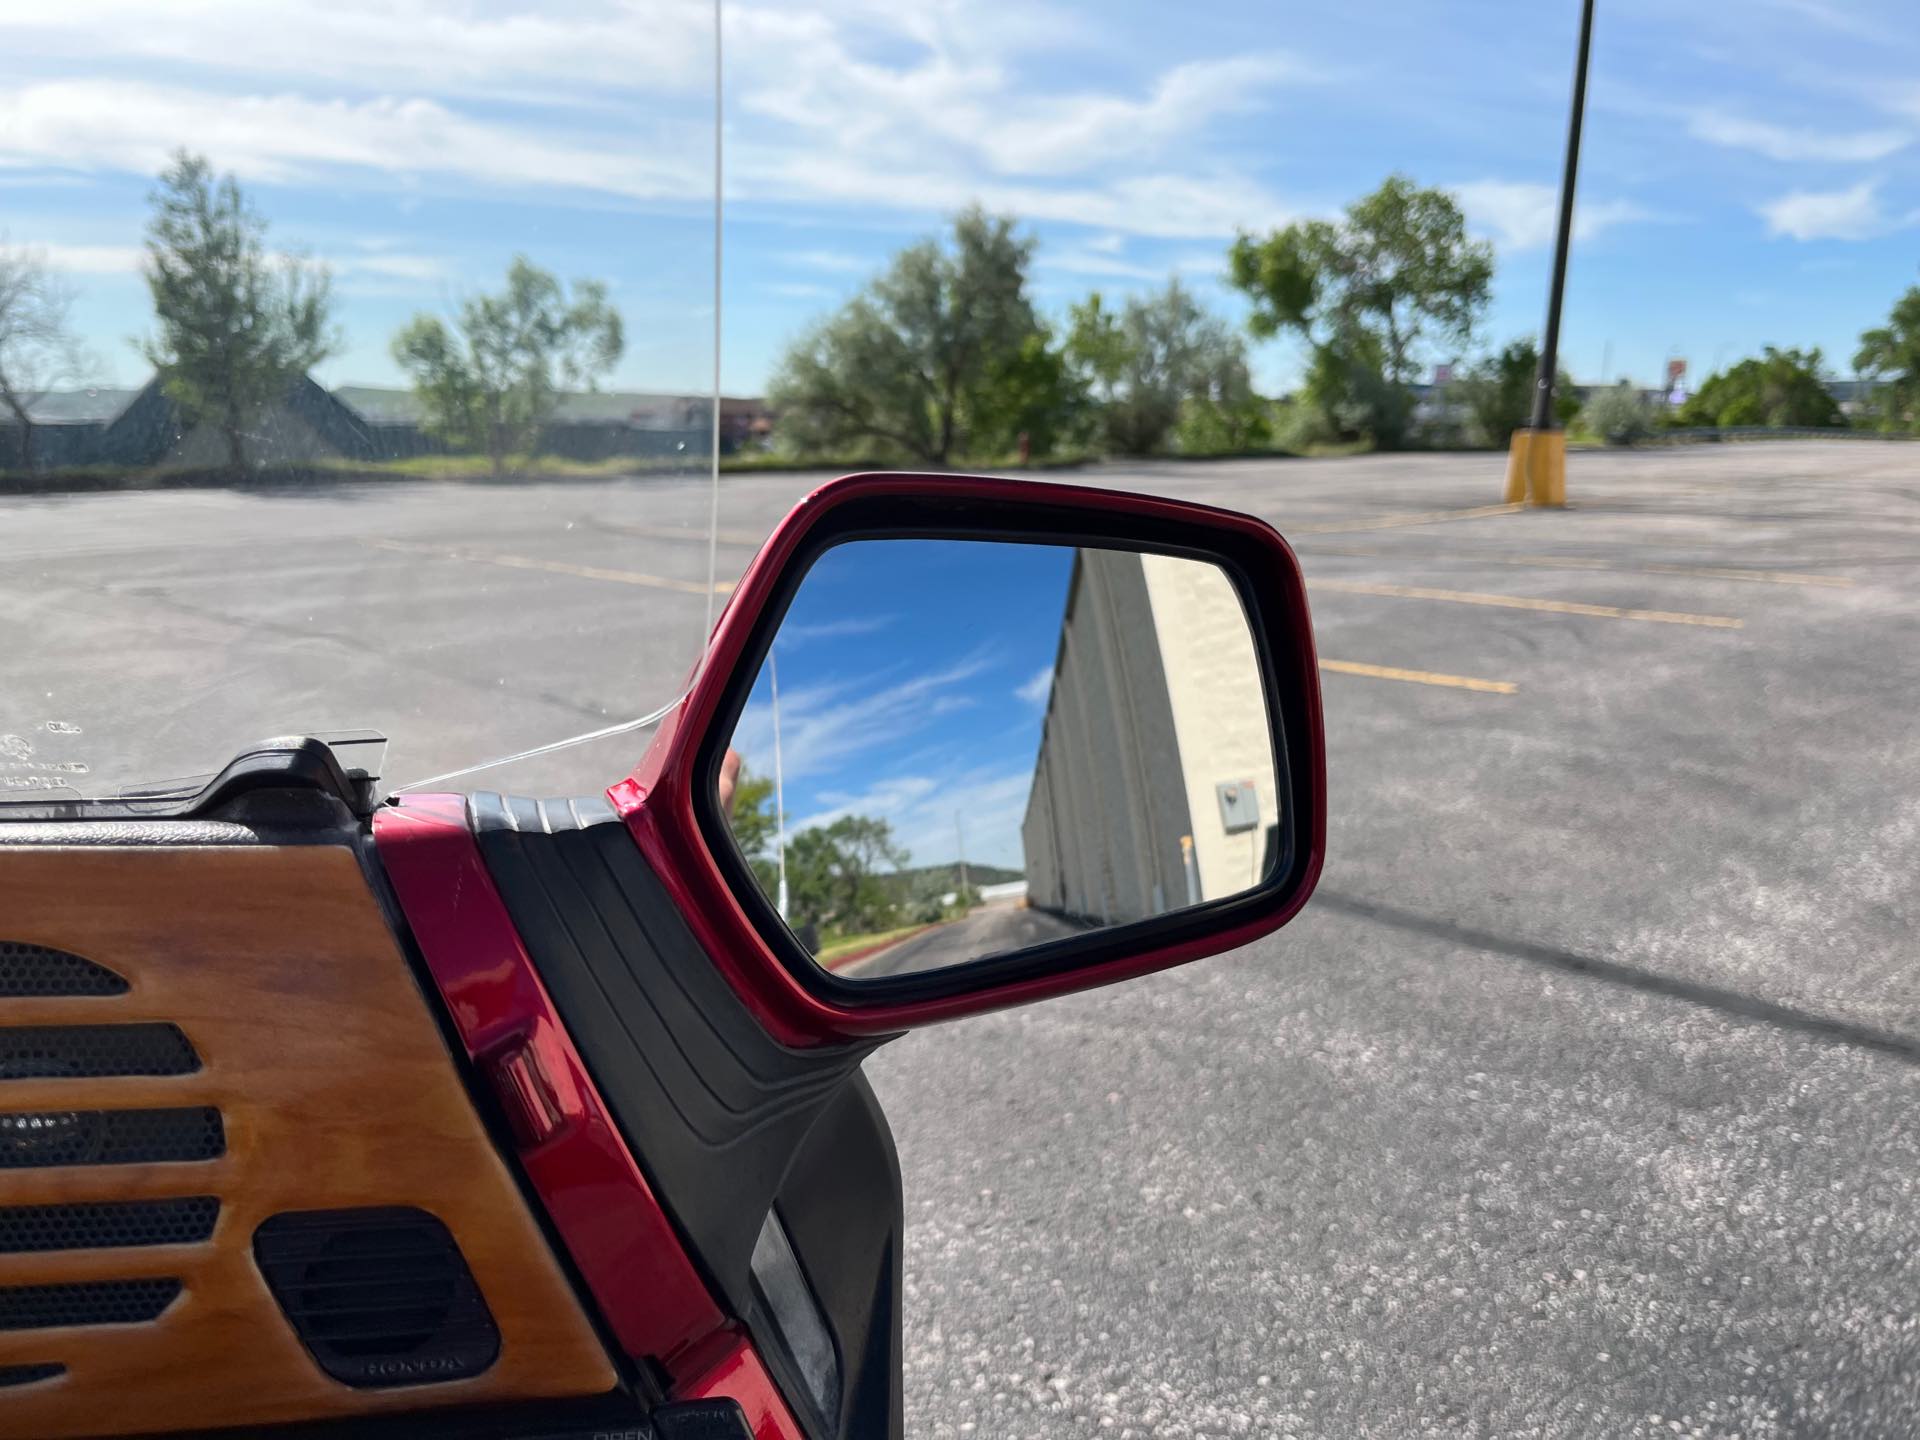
(913,678)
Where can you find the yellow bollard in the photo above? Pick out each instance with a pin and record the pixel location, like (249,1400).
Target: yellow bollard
(1537,468)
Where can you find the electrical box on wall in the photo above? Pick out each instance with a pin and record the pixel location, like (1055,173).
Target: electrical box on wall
(1239,805)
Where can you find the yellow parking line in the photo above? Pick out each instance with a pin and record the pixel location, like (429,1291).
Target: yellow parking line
(1418,517)
(1701,572)
(1574,562)
(554,567)
(677,532)
(1521,602)
(1419,677)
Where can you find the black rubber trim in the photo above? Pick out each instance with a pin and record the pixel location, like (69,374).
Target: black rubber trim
(1039,523)
(841,1207)
(712,1106)
(344,767)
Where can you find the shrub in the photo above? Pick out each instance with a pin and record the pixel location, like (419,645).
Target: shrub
(1617,415)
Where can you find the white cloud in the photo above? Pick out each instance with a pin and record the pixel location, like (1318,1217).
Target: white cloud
(800,634)
(1779,142)
(129,259)
(93,259)
(799,290)
(825,726)
(1036,690)
(1522,215)
(1850,214)
(550,56)
(88,124)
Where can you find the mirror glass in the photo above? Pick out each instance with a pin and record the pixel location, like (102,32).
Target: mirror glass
(957,749)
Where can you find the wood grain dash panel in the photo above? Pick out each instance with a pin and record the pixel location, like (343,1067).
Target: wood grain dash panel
(336,1090)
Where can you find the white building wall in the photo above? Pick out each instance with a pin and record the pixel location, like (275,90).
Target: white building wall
(1219,713)
(1156,698)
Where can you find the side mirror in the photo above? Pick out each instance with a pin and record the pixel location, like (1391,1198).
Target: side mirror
(960,742)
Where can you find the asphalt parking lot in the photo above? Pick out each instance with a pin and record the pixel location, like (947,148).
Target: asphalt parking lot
(1581,1100)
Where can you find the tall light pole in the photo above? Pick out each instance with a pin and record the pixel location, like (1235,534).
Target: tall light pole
(779,787)
(1537,466)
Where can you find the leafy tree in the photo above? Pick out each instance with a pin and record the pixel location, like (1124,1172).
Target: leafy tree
(493,381)
(834,875)
(37,346)
(1499,393)
(237,328)
(928,359)
(1779,387)
(1368,293)
(1033,392)
(1159,355)
(754,826)
(1617,414)
(1890,355)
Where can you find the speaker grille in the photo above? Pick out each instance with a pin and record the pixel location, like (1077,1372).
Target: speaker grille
(53,1051)
(379,1296)
(96,1302)
(107,1224)
(32,1139)
(37,970)
(28,1374)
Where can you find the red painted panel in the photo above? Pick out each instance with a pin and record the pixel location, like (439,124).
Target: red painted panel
(653,1300)
(739,1375)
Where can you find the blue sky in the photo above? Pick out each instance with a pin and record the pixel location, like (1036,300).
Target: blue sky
(925,708)
(1752,173)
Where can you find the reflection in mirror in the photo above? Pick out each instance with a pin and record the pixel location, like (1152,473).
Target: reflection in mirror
(957,749)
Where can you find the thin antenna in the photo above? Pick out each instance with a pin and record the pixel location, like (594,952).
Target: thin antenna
(713,506)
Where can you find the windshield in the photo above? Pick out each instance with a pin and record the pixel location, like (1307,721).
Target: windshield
(358,372)
(367,366)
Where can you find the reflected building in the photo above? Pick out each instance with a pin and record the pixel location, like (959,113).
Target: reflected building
(1154,784)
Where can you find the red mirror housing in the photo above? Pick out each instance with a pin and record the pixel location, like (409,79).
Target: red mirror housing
(667,801)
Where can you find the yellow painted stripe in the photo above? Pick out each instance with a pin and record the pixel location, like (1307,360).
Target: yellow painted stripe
(553,567)
(1700,572)
(1574,562)
(1522,602)
(676,532)
(1391,522)
(1419,677)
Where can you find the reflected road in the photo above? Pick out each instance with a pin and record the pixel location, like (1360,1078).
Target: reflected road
(989,930)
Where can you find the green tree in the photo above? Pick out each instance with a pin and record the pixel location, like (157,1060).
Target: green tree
(1889,355)
(1498,393)
(754,826)
(237,328)
(1368,293)
(1776,388)
(834,875)
(1157,357)
(492,381)
(38,349)
(928,358)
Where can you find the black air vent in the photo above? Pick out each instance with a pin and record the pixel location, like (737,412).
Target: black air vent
(28,1374)
(380,1297)
(107,1224)
(32,1139)
(37,970)
(96,1302)
(75,1051)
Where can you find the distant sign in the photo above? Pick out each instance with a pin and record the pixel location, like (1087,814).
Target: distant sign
(1676,372)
